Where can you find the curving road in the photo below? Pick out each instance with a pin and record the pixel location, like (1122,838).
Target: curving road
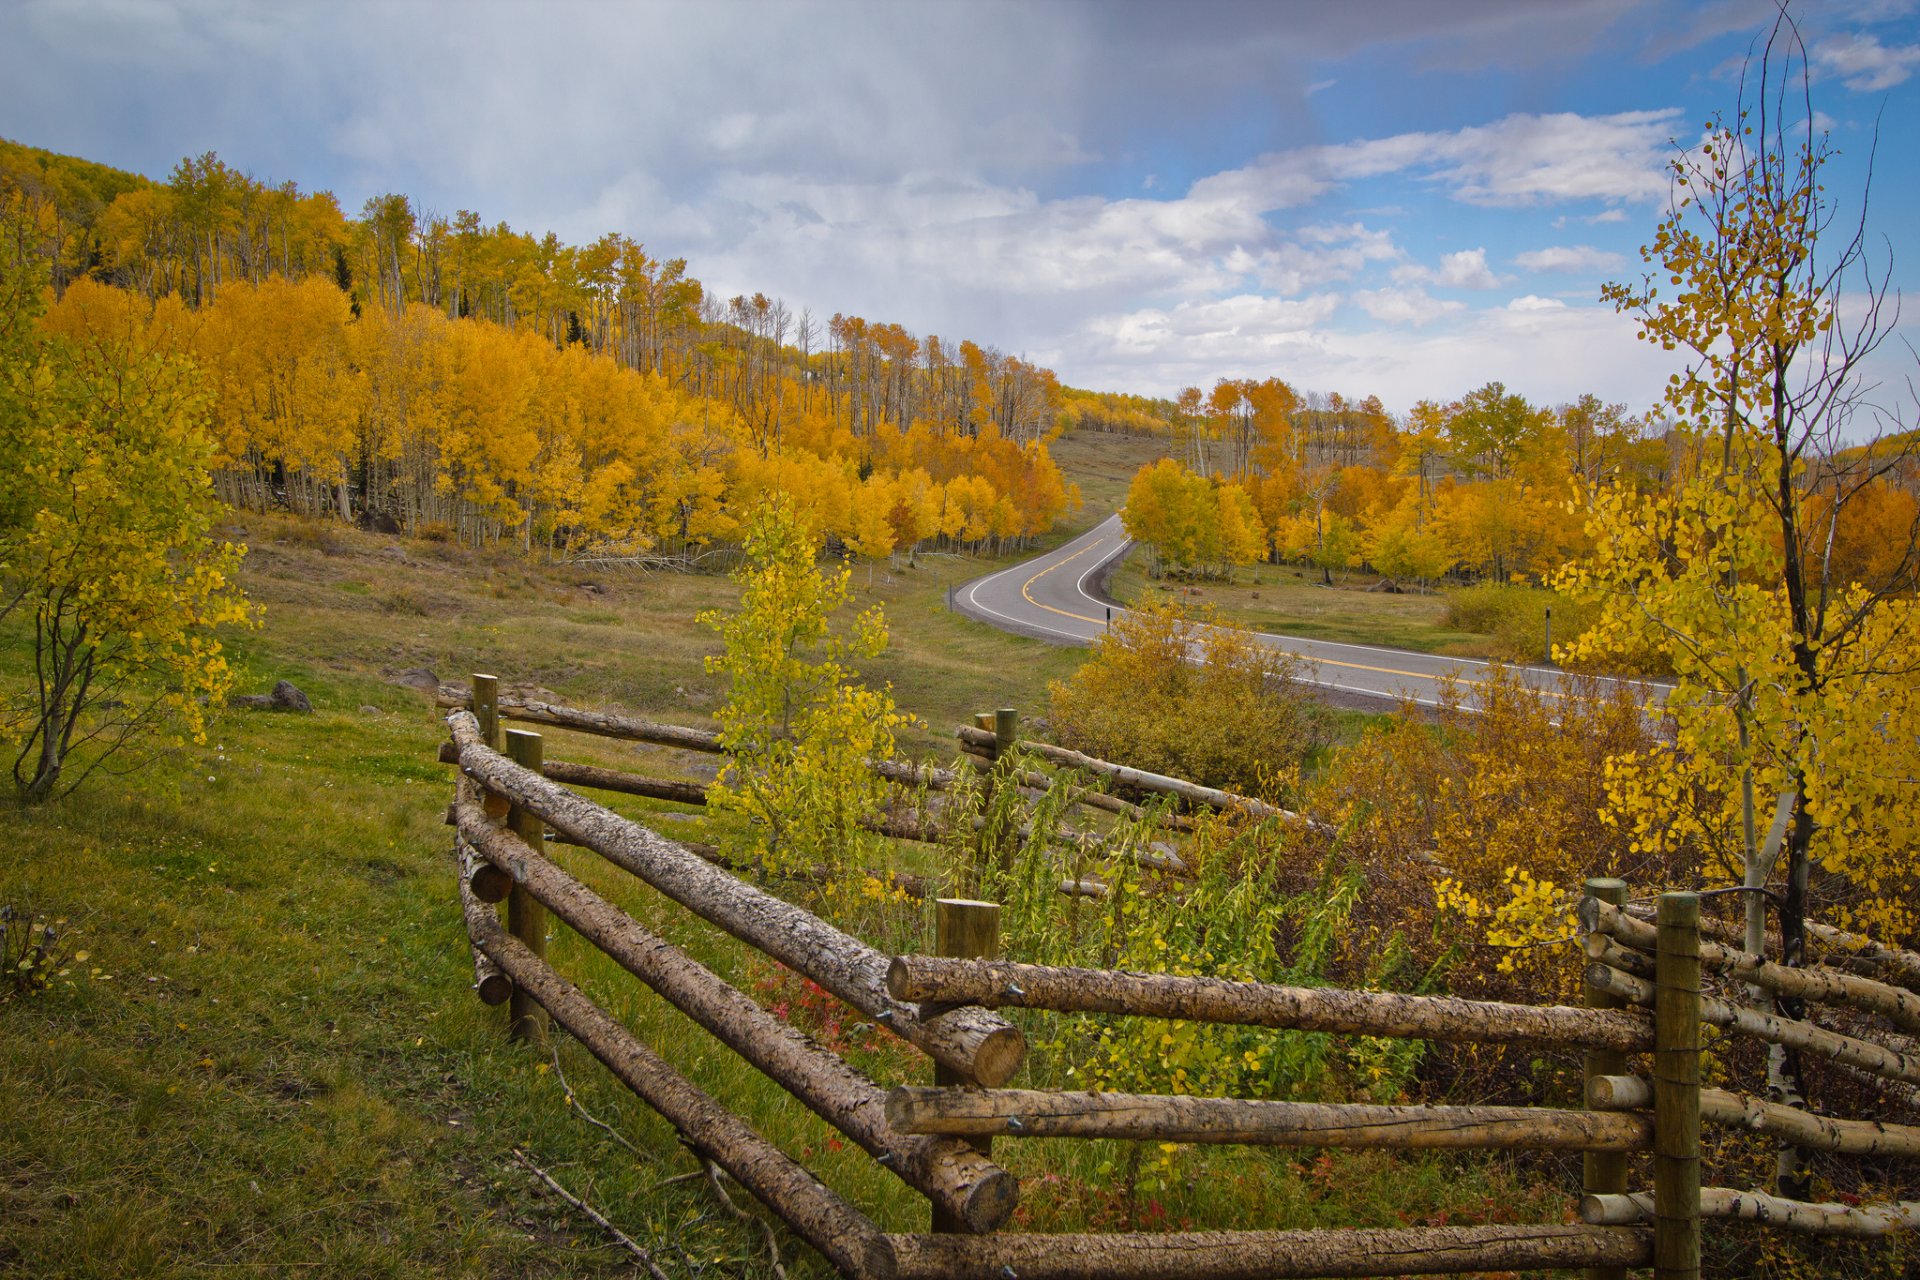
(1049,597)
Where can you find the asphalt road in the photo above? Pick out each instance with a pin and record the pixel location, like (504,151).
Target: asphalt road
(1052,597)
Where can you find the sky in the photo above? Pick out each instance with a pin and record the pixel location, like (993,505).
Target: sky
(1396,197)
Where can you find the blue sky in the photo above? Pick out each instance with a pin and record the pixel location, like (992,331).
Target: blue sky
(1400,197)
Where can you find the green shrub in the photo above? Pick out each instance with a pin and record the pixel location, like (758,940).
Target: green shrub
(1516,617)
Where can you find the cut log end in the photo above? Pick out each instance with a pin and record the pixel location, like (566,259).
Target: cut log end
(999,1055)
(494,989)
(489,883)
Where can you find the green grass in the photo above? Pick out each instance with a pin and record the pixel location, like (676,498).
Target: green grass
(269,1062)
(1103,464)
(1290,600)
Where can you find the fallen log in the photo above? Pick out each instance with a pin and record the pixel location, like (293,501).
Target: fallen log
(1738,1111)
(1791,1032)
(1268,1255)
(985,1046)
(1000,983)
(949,1172)
(1816,983)
(1026,1113)
(1869,1221)
(842,1234)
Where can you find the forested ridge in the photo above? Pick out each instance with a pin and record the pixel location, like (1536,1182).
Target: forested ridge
(471,381)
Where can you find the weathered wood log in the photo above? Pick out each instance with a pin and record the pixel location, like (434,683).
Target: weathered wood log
(1141,780)
(1772,1028)
(1603,1172)
(1610,953)
(634,729)
(1158,995)
(1676,1090)
(961,927)
(972,1040)
(489,982)
(842,1234)
(1739,1111)
(1901,964)
(1024,1113)
(601,723)
(586,775)
(526,918)
(957,1178)
(1816,983)
(908,774)
(1867,1221)
(1267,1255)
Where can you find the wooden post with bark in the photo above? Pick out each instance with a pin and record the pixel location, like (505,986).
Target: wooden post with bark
(1604,1172)
(486,709)
(970,930)
(1676,1090)
(526,918)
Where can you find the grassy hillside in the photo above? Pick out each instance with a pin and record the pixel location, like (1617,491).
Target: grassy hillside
(263,1057)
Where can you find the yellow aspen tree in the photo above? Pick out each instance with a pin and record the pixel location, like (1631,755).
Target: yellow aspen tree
(1796,688)
(106,547)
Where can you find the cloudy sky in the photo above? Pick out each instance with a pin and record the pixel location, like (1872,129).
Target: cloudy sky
(1401,197)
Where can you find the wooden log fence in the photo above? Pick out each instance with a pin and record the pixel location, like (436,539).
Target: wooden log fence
(1004,984)
(936,1139)
(1816,983)
(1266,1255)
(1738,1111)
(1866,1221)
(980,1043)
(1139,781)
(1794,1033)
(1030,1113)
(950,1173)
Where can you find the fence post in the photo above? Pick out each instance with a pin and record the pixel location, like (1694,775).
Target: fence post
(971,931)
(526,918)
(1006,731)
(1604,1172)
(486,709)
(1676,1090)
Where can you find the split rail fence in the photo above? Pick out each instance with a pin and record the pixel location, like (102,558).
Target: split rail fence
(1641,1031)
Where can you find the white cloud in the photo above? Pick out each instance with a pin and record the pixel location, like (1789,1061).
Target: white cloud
(1550,355)
(1863,63)
(1534,302)
(1405,306)
(1466,269)
(1577,257)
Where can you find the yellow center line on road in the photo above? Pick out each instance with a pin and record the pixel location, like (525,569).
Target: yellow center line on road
(1027,592)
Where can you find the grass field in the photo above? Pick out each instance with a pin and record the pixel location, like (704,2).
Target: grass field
(263,1058)
(1290,600)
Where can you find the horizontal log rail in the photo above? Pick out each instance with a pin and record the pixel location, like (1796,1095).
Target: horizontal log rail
(1003,984)
(1772,1028)
(1140,779)
(1901,963)
(1738,1111)
(607,724)
(600,723)
(1869,1221)
(982,1044)
(841,1233)
(1268,1255)
(1028,1113)
(1034,780)
(951,1173)
(1815,983)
